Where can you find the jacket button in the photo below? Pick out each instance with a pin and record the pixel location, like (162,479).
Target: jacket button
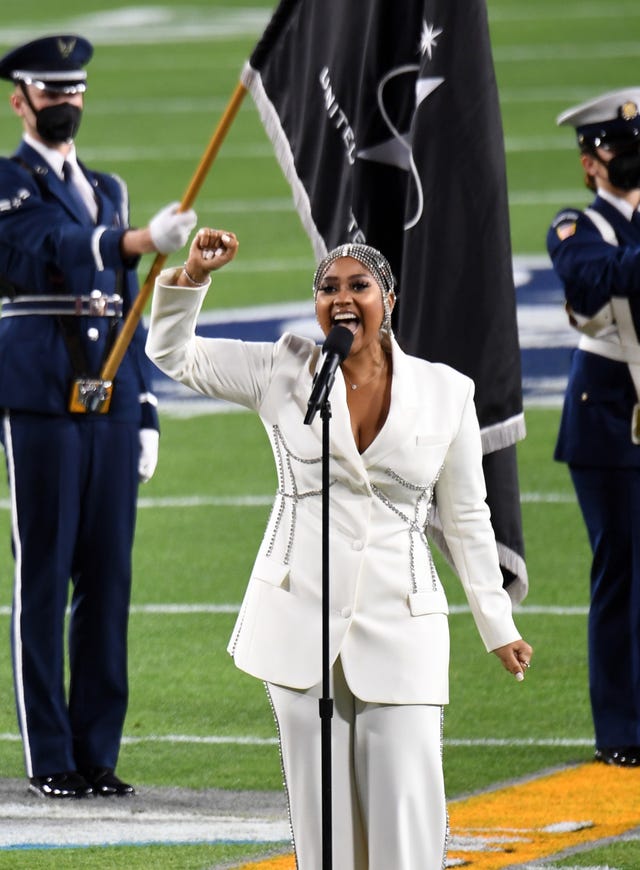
(357,545)
(345,612)
(93,334)
(584,397)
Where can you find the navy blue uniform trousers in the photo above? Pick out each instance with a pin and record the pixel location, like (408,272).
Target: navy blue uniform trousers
(610,502)
(73,520)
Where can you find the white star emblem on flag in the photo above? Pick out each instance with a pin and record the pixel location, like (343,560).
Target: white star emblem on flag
(428,38)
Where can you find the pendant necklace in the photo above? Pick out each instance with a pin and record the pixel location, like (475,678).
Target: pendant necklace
(368,381)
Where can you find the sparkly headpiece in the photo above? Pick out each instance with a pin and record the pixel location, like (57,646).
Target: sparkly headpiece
(373,260)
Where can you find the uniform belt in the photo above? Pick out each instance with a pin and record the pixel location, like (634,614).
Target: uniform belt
(629,354)
(96,304)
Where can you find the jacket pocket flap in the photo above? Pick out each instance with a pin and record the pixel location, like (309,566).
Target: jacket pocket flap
(270,571)
(421,603)
(431,441)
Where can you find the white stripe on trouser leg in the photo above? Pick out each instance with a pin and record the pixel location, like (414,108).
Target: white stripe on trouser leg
(16,631)
(388,802)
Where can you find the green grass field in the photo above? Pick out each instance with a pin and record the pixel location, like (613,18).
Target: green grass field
(157,88)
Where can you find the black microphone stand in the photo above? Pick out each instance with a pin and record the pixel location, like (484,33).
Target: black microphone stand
(336,347)
(326,701)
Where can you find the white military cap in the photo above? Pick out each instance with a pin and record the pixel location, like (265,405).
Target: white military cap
(613,116)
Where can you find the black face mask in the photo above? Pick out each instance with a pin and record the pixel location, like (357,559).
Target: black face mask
(58,123)
(624,170)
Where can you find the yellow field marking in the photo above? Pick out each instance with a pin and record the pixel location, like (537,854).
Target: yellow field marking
(286,862)
(535,819)
(541,817)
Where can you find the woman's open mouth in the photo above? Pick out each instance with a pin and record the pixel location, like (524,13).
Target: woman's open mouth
(347,319)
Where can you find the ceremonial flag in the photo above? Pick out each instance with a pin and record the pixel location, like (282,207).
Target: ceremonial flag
(384,116)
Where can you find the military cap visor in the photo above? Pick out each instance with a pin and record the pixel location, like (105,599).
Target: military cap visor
(74,82)
(52,63)
(610,120)
(611,137)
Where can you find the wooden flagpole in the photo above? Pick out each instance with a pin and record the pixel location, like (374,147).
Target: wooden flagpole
(123,340)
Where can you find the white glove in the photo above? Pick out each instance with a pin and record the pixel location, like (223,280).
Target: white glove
(170,228)
(149,444)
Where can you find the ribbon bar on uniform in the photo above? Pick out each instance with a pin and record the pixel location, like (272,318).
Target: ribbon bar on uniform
(96,304)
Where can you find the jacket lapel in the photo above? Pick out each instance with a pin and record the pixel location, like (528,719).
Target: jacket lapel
(400,421)
(403,410)
(48,180)
(341,442)
(108,211)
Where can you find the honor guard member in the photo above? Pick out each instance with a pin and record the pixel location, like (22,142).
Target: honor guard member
(596,254)
(68,263)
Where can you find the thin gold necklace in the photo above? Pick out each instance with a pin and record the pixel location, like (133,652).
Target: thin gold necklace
(368,381)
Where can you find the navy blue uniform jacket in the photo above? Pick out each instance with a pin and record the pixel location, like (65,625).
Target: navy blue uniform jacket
(596,419)
(45,248)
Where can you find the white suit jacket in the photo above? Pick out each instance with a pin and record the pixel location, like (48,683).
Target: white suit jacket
(388,610)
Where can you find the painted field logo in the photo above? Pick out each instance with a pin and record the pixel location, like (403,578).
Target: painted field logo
(539,818)
(544,816)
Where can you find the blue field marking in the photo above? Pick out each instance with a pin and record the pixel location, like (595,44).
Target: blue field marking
(546,339)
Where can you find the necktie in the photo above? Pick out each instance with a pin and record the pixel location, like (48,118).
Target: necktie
(75,194)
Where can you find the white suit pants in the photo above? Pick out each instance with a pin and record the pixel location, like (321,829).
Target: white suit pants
(388,800)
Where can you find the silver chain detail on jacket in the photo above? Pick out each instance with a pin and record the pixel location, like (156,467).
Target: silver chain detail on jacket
(287,493)
(288,496)
(417,524)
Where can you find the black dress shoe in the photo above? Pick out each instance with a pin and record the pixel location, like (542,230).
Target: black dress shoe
(105,783)
(621,756)
(61,785)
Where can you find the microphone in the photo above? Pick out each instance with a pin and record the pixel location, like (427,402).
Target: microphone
(336,348)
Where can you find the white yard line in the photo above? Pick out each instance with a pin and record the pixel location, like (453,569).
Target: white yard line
(155,815)
(122,827)
(231,607)
(138,25)
(196,501)
(239,740)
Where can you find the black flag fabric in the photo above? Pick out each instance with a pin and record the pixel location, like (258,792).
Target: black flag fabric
(385,119)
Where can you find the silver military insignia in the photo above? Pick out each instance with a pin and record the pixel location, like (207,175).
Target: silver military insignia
(65,47)
(15,201)
(629,110)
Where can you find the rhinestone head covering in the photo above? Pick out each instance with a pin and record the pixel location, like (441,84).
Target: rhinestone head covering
(374,261)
